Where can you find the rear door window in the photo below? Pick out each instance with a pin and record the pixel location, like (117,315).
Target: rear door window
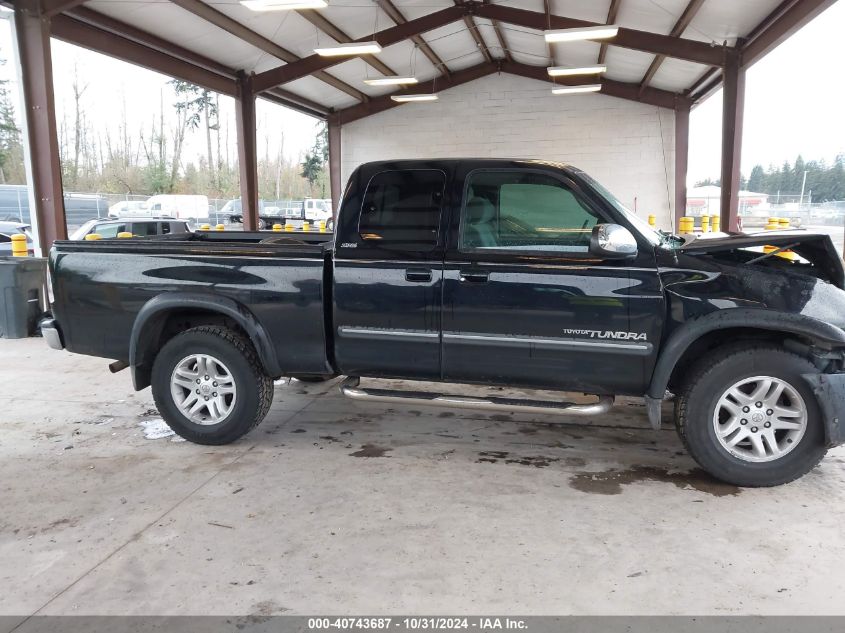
(402,209)
(142,229)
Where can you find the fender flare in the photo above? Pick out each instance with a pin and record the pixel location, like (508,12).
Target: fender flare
(756,318)
(148,324)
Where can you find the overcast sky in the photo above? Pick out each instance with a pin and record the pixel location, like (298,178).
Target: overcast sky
(795,101)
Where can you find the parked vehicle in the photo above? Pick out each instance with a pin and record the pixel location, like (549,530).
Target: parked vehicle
(496,272)
(129,208)
(14,205)
(270,212)
(183,207)
(139,227)
(7,230)
(317,210)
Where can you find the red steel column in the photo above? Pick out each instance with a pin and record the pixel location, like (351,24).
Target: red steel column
(733,105)
(247,154)
(32,32)
(681,162)
(334,163)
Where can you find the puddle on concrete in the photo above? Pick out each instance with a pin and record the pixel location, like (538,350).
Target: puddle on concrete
(610,482)
(371,450)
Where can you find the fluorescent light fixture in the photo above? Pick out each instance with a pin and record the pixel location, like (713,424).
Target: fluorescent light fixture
(566,71)
(410,98)
(571,90)
(283,5)
(353,48)
(586,33)
(391,81)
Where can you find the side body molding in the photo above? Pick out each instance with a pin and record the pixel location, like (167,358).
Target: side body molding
(152,316)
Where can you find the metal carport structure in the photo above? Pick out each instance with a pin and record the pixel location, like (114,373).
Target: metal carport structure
(662,55)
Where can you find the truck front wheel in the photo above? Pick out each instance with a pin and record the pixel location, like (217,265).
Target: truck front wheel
(209,385)
(747,417)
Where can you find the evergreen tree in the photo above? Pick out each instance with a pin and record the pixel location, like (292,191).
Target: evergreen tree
(755,181)
(11,150)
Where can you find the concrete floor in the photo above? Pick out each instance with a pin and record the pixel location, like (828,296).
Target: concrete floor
(336,507)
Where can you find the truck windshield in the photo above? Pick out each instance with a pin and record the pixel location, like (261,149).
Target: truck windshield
(655,236)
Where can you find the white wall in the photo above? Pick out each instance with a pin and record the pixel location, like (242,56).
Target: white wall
(627,146)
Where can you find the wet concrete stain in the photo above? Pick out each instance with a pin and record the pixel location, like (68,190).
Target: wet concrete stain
(610,482)
(298,431)
(494,454)
(527,430)
(446,414)
(537,461)
(371,450)
(329,438)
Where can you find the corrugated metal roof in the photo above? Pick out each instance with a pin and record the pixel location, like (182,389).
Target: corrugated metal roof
(717,21)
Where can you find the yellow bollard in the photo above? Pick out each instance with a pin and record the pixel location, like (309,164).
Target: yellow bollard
(92,237)
(772,224)
(715,220)
(705,223)
(687,224)
(19,248)
(652,220)
(205,227)
(322,226)
(220,227)
(783,223)
(277,227)
(306,226)
(289,227)
(125,234)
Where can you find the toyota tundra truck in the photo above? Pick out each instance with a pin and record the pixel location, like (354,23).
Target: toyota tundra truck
(516,273)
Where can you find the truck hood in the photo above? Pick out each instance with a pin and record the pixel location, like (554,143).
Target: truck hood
(816,248)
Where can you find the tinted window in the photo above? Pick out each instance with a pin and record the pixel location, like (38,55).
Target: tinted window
(524,211)
(5,238)
(402,209)
(142,229)
(109,230)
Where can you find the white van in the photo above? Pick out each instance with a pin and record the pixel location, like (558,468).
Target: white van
(317,209)
(184,207)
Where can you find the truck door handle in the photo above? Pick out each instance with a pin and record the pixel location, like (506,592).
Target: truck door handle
(420,275)
(474,276)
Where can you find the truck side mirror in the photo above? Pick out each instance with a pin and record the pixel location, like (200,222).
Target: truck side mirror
(612,241)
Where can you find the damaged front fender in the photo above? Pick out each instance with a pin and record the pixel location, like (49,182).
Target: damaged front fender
(830,394)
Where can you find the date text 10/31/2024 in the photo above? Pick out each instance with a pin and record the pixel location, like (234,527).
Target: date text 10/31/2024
(418,623)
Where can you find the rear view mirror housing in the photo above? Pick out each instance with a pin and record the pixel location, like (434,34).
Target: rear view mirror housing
(612,241)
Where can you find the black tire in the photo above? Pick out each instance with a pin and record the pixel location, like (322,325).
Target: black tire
(699,396)
(254,387)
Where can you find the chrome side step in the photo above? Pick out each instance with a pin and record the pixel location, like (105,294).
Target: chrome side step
(351,389)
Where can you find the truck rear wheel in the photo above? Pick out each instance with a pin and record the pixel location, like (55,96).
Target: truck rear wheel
(209,385)
(747,417)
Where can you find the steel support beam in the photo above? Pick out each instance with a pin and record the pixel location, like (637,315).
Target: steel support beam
(780,25)
(102,41)
(315,64)
(247,152)
(609,87)
(49,8)
(396,15)
(126,31)
(681,25)
(318,20)
(476,35)
(335,183)
(224,22)
(33,36)
(612,12)
(681,163)
(733,104)
(689,50)
(380,104)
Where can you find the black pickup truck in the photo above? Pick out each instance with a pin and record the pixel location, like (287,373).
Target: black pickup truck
(495,272)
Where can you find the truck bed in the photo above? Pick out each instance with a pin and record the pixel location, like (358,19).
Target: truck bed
(100,288)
